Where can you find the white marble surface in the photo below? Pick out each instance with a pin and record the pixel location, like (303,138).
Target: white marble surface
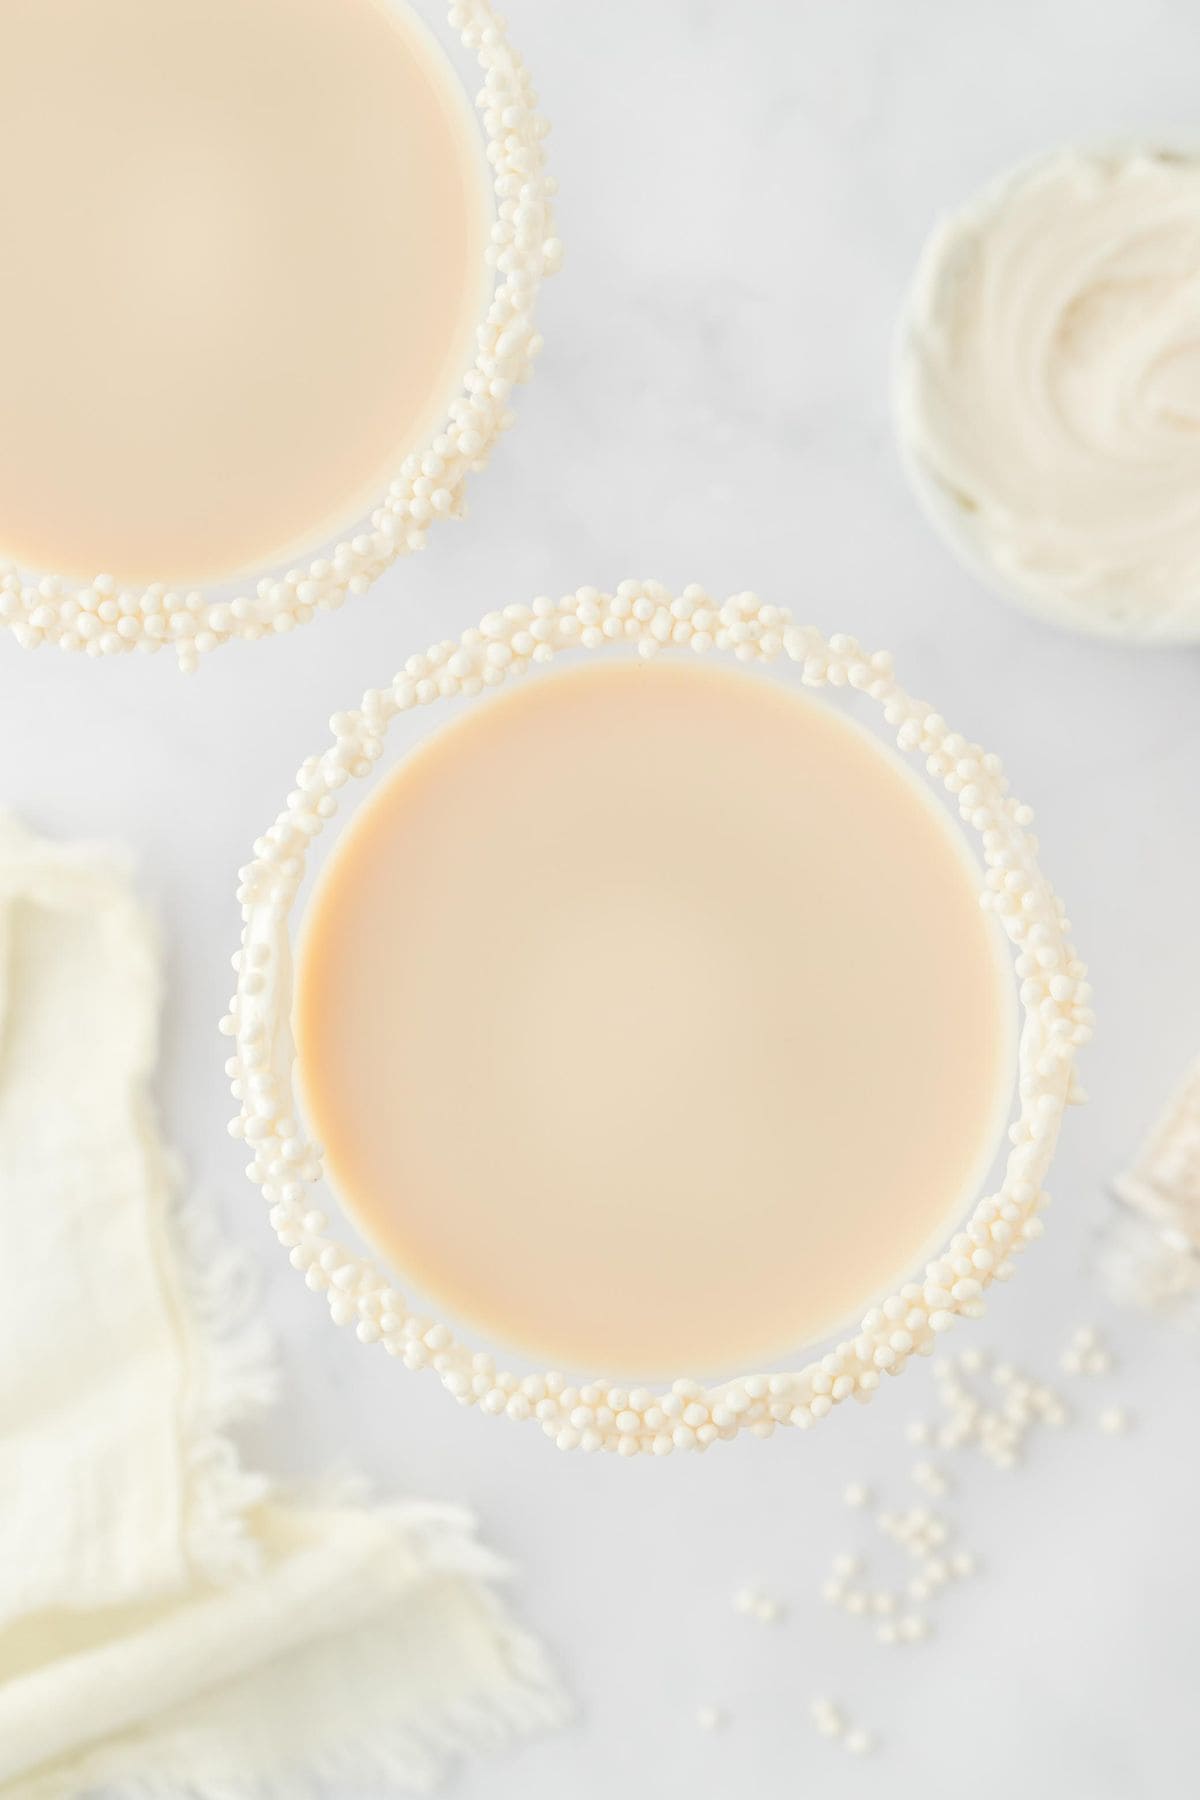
(744,191)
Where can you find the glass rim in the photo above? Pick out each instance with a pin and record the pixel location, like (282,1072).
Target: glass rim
(599,1414)
(103,617)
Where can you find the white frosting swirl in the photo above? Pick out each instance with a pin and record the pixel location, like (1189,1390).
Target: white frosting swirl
(1049,388)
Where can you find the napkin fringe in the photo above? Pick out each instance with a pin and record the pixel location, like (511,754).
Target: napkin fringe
(237,1377)
(413,1759)
(233,1377)
(222,1290)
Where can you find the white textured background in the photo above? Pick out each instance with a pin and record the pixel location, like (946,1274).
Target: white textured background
(744,192)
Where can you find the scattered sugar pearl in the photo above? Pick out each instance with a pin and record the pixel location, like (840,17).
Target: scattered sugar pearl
(999,1430)
(710,1718)
(753,1603)
(827,1717)
(1086,1354)
(918,1432)
(928,1476)
(856,1494)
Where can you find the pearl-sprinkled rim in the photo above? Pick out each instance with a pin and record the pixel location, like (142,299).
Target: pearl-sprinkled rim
(596,1415)
(101,619)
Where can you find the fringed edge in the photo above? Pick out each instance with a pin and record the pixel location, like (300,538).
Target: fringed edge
(412,1760)
(233,1377)
(527,1699)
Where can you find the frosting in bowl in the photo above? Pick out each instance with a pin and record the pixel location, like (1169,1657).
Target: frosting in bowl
(1048,395)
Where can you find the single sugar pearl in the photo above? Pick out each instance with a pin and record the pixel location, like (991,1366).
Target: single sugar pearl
(860,1742)
(926,1475)
(710,1718)
(827,1718)
(856,1493)
(1114,1420)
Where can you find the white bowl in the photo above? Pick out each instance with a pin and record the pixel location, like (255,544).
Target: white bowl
(961,526)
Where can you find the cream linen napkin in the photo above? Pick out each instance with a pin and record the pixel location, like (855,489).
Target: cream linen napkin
(170,1624)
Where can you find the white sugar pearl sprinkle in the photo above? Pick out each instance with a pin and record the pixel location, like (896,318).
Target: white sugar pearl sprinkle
(827,1717)
(753,1603)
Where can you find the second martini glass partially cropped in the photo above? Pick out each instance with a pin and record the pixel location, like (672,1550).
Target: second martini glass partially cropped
(249,350)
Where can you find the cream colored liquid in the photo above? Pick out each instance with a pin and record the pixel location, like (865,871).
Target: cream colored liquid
(244,248)
(649,1019)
